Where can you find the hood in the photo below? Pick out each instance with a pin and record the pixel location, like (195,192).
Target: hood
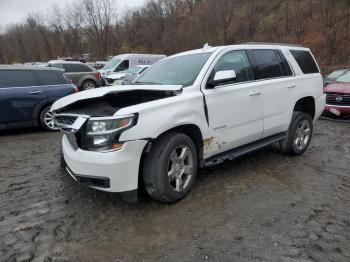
(100,92)
(116,75)
(338,87)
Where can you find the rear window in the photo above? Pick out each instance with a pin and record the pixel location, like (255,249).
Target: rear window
(267,64)
(72,68)
(17,78)
(305,61)
(48,77)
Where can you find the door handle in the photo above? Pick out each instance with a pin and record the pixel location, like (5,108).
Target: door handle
(254,93)
(35,92)
(291,86)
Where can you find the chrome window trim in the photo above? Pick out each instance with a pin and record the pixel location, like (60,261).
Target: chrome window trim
(223,52)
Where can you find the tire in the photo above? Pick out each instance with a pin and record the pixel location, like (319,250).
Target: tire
(46,120)
(299,134)
(164,168)
(88,84)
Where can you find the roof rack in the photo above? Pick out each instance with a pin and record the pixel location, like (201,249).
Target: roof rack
(267,43)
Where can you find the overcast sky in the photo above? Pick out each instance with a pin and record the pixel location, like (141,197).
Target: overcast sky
(13,11)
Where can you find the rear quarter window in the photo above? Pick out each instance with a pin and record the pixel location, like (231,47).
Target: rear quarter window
(17,78)
(48,77)
(305,61)
(76,68)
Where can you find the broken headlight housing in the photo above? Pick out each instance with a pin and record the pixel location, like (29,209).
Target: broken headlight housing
(102,133)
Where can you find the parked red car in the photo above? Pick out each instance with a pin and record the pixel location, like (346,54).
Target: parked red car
(338,96)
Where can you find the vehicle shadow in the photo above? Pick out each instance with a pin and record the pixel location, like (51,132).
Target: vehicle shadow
(22,131)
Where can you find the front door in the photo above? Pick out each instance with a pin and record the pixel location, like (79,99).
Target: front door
(235,109)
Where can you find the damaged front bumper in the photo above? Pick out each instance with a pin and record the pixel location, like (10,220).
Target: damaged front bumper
(113,171)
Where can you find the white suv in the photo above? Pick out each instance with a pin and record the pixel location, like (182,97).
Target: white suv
(189,111)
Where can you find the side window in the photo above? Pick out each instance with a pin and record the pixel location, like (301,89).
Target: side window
(122,66)
(287,71)
(266,63)
(48,77)
(305,61)
(235,60)
(17,78)
(84,68)
(69,68)
(76,68)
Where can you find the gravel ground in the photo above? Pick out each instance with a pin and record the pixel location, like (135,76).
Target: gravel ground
(262,207)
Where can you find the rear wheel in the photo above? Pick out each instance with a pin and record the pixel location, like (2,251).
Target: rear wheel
(46,119)
(299,134)
(88,84)
(170,168)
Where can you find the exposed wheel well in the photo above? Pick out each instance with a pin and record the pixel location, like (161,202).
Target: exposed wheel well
(192,131)
(306,105)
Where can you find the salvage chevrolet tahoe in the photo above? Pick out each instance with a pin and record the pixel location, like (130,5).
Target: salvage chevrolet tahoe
(189,111)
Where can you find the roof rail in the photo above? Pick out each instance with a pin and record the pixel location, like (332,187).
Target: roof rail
(267,43)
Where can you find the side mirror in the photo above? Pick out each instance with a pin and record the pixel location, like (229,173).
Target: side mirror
(222,77)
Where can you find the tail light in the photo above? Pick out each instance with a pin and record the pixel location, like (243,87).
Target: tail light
(98,75)
(76,89)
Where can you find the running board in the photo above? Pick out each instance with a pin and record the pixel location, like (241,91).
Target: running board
(242,150)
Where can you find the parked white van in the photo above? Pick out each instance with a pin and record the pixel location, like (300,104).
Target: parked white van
(190,111)
(123,62)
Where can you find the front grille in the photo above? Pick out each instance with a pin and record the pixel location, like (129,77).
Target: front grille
(338,99)
(65,120)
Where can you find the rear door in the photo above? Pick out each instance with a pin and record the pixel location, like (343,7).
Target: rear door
(20,94)
(55,84)
(275,77)
(235,110)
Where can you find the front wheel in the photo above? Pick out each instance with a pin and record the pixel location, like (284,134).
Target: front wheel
(170,168)
(299,134)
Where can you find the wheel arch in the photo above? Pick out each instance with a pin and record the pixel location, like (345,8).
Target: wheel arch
(86,79)
(191,130)
(307,105)
(40,108)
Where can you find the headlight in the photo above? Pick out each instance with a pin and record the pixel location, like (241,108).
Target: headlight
(102,133)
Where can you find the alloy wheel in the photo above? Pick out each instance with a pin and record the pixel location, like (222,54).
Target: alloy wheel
(302,135)
(180,168)
(49,120)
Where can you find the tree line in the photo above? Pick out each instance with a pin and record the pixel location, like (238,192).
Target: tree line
(170,26)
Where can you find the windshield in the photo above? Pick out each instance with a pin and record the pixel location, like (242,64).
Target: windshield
(336,74)
(179,70)
(344,78)
(111,64)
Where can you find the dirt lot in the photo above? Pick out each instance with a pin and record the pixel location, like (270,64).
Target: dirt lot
(262,207)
